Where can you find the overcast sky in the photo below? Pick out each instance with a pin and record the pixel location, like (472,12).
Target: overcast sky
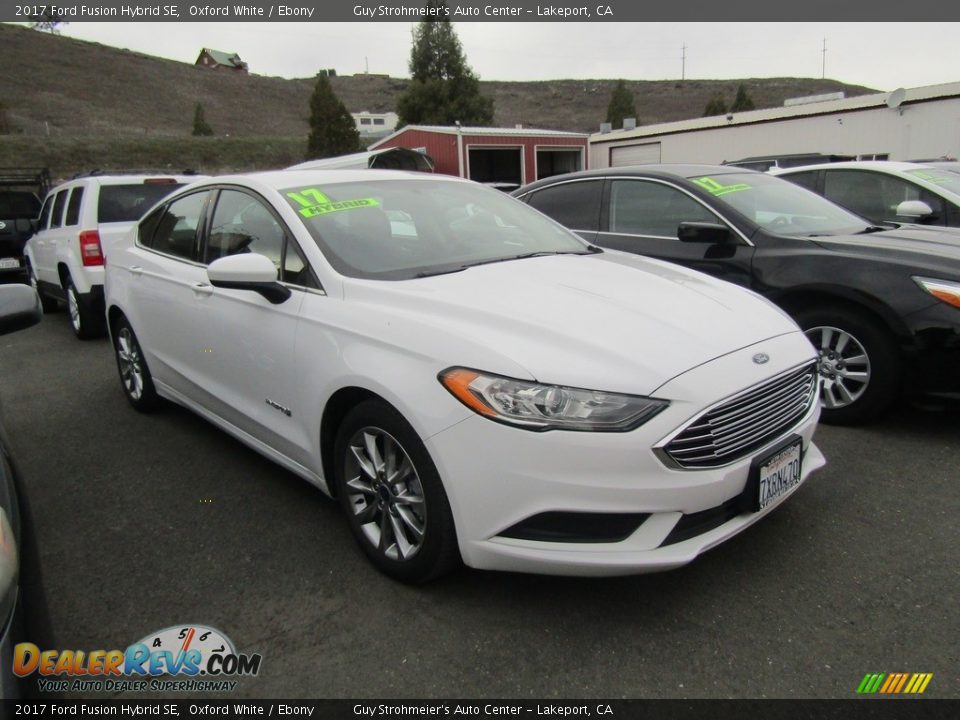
(879,55)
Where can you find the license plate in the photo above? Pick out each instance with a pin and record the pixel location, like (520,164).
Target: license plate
(9,263)
(779,473)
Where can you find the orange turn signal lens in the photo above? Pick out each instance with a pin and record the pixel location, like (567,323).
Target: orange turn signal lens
(457,381)
(943,290)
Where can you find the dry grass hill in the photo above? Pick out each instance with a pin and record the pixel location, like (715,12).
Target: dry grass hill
(75,105)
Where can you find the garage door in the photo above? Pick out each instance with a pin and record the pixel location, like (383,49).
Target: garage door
(635,154)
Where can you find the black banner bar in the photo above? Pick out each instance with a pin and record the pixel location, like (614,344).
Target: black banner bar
(872,708)
(496,11)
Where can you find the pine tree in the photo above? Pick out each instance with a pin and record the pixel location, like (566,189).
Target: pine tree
(743,101)
(443,89)
(332,130)
(715,106)
(621,105)
(200,126)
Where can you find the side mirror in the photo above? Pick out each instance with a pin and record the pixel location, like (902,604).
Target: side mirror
(704,232)
(914,209)
(249,271)
(19,308)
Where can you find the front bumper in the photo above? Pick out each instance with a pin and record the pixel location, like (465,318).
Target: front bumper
(498,477)
(933,361)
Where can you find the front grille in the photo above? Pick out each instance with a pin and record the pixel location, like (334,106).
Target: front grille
(737,427)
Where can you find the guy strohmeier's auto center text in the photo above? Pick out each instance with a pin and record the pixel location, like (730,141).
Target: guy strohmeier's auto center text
(460,12)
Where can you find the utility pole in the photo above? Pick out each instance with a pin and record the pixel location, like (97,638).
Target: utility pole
(823,71)
(683,62)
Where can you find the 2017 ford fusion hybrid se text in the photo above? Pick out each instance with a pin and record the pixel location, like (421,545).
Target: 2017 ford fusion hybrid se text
(472,381)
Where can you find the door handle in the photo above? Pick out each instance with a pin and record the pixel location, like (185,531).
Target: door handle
(136,270)
(202,288)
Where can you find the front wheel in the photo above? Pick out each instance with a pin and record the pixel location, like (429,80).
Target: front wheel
(48,304)
(392,495)
(134,373)
(860,366)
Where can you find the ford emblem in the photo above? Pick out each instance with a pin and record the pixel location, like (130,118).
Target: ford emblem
(2,225)
(761,358)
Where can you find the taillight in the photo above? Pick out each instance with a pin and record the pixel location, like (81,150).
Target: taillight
(90,251)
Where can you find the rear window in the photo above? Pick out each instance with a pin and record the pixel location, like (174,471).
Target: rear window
(125,203)
(18,205)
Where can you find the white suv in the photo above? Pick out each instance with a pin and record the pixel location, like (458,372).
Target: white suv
(65,257)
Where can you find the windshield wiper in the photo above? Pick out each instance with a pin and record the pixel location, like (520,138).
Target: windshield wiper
(591,250)
(872,229)
(445,271)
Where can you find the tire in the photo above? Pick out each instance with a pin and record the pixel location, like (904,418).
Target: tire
(48,304)
(853,393)
(404,526)
(135,378)
(86,325)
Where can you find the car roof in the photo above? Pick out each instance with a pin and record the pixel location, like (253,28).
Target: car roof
(661,170)
(893,167)
(280,179)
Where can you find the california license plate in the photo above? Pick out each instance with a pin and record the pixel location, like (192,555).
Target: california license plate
(9,263)
(779,473)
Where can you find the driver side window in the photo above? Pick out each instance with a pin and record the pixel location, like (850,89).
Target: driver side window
(639,207)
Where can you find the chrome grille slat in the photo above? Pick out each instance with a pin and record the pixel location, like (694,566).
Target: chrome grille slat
(748,437)
(746,422)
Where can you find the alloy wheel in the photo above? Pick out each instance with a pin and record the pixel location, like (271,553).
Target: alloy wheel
(73,304)
(131,364)
(844,366)
(385,494)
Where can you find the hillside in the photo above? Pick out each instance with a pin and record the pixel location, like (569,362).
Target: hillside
(85,96)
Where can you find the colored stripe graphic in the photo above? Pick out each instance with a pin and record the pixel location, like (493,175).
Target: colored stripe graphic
(894,683)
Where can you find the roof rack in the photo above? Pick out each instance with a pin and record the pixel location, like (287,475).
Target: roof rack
(34,177)
(135,171)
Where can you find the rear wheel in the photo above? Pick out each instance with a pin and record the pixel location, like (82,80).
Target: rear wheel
(860,366)
(134,373)
(392,495)
(83,320)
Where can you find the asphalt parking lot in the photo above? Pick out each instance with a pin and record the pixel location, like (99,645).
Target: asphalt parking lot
(150,521)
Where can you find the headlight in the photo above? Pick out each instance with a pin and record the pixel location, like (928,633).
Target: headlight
(534,406)
(945,290)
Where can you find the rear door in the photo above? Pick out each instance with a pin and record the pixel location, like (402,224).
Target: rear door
(641,215)
(51,237)
(168,292)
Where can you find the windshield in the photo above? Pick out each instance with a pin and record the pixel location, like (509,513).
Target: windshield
(780,206)
(941,177)
(400,229)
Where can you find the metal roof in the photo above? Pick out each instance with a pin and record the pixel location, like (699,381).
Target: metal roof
(490,131)
(224,58)
(861,102)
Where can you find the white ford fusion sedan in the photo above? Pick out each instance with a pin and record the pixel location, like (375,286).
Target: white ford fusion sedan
(472,381)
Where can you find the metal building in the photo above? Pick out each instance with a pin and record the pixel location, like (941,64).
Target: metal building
(919,123)
(503,157)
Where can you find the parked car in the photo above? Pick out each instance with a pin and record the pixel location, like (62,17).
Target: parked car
(20,193)
(882,306)
(65,257)
(768,162)
(470,379)
(885,191)
(19,308)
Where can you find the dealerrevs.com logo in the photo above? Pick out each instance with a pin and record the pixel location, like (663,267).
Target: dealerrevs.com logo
(186,658)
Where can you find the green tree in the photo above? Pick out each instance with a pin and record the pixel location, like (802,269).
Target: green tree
(621,105)
(200,125)
(332,130)
(444,89)
(47,23)
(742,101)
(715,106)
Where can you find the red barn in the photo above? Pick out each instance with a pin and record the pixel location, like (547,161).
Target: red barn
(503,157)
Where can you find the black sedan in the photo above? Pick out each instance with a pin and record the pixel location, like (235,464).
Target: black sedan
(882,306)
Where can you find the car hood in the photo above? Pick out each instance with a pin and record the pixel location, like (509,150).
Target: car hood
(941,246)
(626,323)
